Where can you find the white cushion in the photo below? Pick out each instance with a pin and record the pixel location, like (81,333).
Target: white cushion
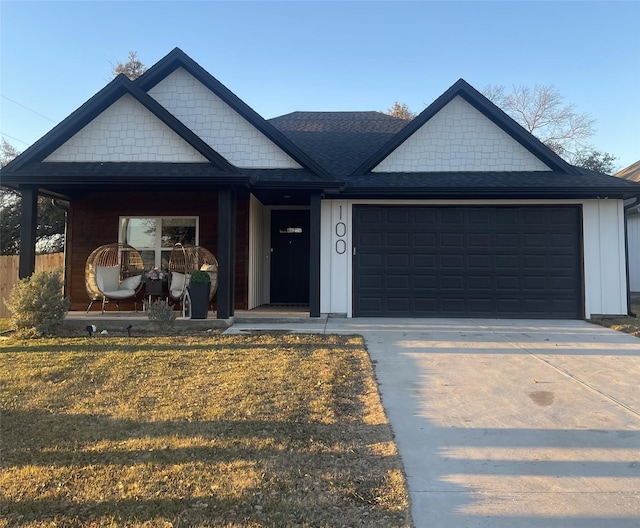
(131,283)
(107,278)
(177,284)
(119,294)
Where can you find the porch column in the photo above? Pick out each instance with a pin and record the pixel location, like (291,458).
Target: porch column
(314,255)
(28,229)
(226,252)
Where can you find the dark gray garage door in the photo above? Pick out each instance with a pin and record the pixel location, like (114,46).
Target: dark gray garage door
(467,262)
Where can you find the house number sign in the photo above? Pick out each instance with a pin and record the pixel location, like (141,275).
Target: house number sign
(341,231)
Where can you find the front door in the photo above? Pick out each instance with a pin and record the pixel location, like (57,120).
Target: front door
(290,257)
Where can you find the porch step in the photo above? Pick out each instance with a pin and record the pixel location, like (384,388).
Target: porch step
(275,319)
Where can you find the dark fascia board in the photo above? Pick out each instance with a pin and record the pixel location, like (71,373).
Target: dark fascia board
(178,59)
(120,86)
(482,104)
(471,193)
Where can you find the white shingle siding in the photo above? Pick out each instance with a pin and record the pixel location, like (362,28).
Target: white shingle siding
(460,138)
(127,131)
(226,131)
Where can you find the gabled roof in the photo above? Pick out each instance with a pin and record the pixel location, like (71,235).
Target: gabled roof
(339,141)
(120,86)
(462,89)
(178,59)
(632,172)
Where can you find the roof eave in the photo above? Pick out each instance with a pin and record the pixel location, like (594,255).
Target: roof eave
(565,193)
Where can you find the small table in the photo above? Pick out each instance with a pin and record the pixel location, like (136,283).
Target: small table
(158,289)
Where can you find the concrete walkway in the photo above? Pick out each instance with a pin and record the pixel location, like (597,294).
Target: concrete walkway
(508,424)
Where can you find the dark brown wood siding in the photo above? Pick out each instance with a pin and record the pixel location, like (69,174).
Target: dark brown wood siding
(94,221)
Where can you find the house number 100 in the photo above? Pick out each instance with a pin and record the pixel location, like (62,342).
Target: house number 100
(341,231)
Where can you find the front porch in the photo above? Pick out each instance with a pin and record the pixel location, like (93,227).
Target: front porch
(116,323)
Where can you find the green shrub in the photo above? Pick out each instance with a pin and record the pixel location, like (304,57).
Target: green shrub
(200,276)
(160,313)
(37,304)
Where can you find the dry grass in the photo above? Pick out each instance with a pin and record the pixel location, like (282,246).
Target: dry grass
(225,431)
(629,325)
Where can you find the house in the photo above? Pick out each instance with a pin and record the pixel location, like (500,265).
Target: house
(457,213)
(632,173)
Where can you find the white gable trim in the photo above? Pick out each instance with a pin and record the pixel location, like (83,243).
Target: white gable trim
(219,125)
(129,132)
(460,138)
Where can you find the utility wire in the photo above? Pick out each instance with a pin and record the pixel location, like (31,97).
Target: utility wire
(15,138)
(27,108)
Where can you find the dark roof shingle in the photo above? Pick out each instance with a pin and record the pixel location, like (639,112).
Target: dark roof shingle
(338,141)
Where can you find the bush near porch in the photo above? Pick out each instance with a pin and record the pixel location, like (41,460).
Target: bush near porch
(225,431)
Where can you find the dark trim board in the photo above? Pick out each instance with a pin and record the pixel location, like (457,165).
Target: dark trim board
(468,261)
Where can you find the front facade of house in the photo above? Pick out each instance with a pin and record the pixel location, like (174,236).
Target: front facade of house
(458,213)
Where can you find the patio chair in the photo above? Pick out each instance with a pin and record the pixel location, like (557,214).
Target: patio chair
(183,262)
(113,272)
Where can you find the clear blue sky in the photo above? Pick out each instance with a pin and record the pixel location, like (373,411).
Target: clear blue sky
(285,56)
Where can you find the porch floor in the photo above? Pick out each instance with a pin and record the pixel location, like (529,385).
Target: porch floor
(113,320)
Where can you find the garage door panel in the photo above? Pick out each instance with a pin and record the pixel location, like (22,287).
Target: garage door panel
(467,261)
(478,262)
(452,261)
(424,282)
(424,261)
(452,240)
(479,240)
(506,241)
(397,239)
(479,283)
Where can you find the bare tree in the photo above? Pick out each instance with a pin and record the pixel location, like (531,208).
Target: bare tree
(7,152)
(401,111)
(133,68)
(543,112)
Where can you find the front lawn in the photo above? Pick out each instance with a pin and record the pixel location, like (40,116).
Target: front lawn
(224,431)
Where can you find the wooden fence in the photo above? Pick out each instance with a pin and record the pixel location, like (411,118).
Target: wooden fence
(9,273)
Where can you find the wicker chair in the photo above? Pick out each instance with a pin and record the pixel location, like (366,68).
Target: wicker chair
(183,262)
(113,272)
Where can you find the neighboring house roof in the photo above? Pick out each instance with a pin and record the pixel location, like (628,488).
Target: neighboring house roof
(339,141)
(632,172)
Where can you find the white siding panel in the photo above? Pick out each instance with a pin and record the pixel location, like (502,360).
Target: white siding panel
(226,131)
(604,258)
(633,238)
(259,255)
(127,131)
(335,242)
(460,138)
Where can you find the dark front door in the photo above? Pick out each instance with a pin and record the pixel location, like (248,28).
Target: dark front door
(290,257)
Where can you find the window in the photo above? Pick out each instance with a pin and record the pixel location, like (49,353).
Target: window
(155,236)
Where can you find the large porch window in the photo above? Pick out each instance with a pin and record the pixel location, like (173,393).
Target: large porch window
(155,236)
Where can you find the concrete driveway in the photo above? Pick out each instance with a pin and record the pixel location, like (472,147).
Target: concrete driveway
(509,423)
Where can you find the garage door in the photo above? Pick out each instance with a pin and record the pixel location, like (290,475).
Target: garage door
(504,262)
